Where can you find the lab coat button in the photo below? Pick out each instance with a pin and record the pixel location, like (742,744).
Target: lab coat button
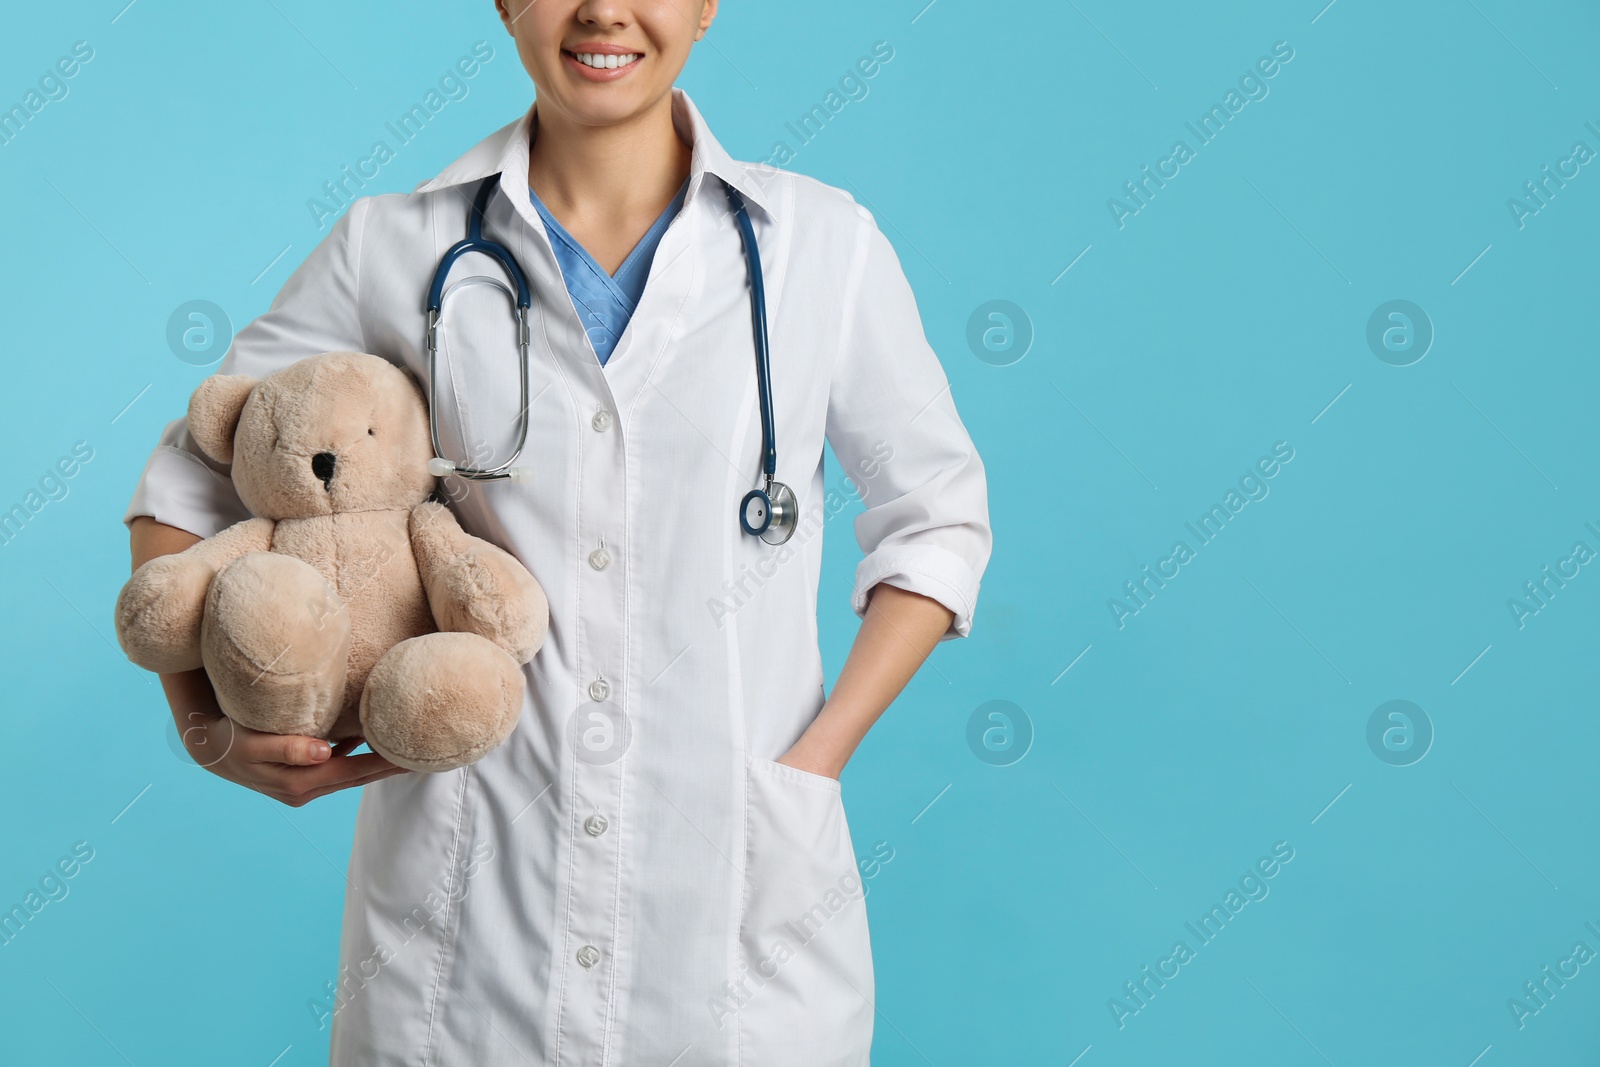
(588,956)
(600,559)
(599,689)
(601,421)
(596,824)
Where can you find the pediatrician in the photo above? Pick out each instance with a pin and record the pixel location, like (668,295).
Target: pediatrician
(655,868)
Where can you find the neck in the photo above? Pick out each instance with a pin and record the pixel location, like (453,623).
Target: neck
(628,168)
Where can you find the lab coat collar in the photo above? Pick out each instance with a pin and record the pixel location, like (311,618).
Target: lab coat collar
(506,151)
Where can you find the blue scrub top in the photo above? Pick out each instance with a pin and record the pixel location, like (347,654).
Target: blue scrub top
(605,302)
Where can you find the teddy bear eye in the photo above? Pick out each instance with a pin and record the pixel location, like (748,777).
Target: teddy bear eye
(369,432)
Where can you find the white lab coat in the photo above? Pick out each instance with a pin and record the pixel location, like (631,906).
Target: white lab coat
(717,906)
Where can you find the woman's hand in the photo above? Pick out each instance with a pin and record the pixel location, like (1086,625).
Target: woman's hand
(289,768)
(805,756)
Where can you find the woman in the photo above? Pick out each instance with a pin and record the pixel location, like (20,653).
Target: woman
(655,868)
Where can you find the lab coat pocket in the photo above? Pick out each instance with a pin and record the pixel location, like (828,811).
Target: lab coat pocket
(805,980)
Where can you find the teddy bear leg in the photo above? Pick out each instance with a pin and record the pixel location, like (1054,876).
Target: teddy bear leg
(441,701)
(275,639)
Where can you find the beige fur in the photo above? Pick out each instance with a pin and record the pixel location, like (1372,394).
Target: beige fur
(323,614)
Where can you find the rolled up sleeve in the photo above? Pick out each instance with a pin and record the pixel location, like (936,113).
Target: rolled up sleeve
(317,310)
(893,425)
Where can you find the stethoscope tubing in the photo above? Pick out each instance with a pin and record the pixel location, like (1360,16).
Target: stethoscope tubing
(758,315)
(774,504)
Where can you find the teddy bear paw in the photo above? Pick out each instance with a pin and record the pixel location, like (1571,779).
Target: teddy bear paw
(441,701)
(487,592)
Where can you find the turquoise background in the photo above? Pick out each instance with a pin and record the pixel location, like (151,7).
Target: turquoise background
(1228,715)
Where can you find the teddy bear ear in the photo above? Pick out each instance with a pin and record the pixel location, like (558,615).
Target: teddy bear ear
(214,411)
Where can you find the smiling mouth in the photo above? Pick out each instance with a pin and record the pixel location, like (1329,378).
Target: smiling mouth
(602,61)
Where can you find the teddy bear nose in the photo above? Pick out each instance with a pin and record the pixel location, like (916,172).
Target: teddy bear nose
(322,467)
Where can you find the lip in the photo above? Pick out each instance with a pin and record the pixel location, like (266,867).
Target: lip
(603,48)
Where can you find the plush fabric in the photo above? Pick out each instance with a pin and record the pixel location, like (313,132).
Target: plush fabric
(350,604)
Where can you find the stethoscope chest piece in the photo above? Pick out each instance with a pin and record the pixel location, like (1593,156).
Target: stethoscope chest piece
(770,514)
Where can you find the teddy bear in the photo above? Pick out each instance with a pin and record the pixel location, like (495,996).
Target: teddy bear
(352,603)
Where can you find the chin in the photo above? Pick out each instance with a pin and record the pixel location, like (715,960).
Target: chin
(604,105)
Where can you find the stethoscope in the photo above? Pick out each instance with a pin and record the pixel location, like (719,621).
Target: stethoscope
(769,512)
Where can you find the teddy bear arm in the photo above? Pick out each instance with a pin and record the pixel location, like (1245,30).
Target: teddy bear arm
(251,535)
(476,587)
(159,610)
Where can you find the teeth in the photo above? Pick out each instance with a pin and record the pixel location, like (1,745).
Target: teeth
(606,62)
